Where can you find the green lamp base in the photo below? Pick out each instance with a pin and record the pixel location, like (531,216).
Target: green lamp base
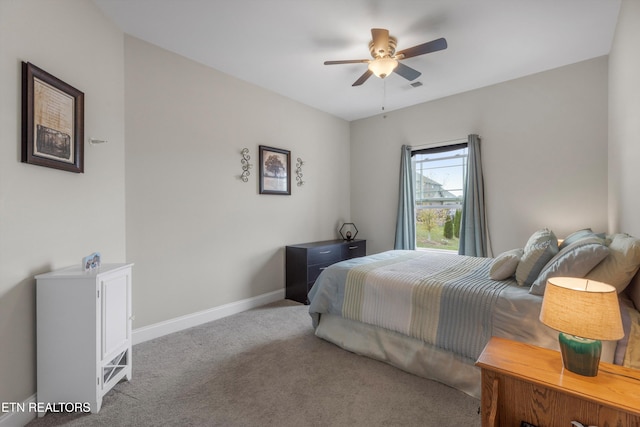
(580,355)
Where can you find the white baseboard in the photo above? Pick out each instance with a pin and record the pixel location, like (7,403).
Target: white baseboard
(146,333)
(19,417)
(160,329)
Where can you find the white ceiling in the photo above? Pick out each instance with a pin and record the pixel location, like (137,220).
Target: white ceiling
(281,45)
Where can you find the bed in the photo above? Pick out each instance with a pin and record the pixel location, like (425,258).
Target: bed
(432,312)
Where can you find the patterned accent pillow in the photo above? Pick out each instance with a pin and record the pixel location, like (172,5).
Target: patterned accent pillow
(505,264)
(574,260)
(540,248)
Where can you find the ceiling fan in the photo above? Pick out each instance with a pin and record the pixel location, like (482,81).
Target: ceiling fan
(386,60)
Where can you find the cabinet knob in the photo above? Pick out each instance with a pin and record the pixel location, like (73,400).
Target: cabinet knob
(132,317)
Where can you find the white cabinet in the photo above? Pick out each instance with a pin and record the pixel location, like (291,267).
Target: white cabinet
(83,334)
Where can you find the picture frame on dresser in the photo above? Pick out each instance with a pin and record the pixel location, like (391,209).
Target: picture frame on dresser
(275,170)
(91,261)
(52,121)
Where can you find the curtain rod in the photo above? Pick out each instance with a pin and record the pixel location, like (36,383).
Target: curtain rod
(440,143)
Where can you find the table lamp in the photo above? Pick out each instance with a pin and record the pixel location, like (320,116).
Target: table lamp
(584,312)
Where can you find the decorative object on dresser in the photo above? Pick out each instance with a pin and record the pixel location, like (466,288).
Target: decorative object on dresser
(91,261)
(348,231)
(305,262)
(525,385)
(275,170)
(584,312)
(83,333)
(52,121)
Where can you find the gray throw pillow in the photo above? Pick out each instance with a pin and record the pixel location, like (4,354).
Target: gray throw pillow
(575,260)
(505,264)
(540,248)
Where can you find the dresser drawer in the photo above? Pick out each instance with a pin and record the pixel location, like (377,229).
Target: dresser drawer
(324,254)
(354,249)
(313,271)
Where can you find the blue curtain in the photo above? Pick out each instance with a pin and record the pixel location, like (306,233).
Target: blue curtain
(406,221)
(473,230)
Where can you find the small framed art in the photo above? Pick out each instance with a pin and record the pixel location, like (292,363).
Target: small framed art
(52,121)
(91,262)
(275,170)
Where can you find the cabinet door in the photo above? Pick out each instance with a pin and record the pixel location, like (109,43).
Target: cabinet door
(115,289)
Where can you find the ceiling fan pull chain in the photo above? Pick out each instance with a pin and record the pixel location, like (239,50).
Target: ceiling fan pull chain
(384,93)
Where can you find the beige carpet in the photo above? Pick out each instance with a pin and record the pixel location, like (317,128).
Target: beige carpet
(264,367)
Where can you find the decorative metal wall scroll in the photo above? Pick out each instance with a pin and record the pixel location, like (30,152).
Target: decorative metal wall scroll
(245,165)
(299,164)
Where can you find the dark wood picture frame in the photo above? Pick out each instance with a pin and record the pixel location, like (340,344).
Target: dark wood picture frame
(275,170)
(52,121)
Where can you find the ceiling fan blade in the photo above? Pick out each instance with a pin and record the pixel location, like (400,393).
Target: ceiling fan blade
(380,41)
(347,61)
(407,72)
(363,78)
(421,49)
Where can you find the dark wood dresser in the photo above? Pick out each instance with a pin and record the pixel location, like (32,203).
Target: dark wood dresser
(305,262)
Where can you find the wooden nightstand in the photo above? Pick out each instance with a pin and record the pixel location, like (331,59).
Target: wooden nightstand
(522,382)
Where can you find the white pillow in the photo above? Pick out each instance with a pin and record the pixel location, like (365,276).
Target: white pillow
(505,264)
(621,265)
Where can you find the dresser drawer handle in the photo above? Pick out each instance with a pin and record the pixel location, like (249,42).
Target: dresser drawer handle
(353,247)
(325,252)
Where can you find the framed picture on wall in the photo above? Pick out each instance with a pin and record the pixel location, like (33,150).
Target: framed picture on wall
(275,170)
(52,121)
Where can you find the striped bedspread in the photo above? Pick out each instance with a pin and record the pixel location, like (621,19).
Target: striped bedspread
(443,299)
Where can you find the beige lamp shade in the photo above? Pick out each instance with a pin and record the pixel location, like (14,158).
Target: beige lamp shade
(582,307)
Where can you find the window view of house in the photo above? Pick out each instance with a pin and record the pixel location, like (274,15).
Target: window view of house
(440,174)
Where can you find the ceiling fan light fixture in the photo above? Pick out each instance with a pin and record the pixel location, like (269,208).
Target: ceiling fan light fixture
(382,67)
(385,59)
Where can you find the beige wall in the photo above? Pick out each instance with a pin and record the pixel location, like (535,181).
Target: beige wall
(200,237)
(544,154)
(624,122)
(50,218)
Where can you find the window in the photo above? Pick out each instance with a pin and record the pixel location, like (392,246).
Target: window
(440,174)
